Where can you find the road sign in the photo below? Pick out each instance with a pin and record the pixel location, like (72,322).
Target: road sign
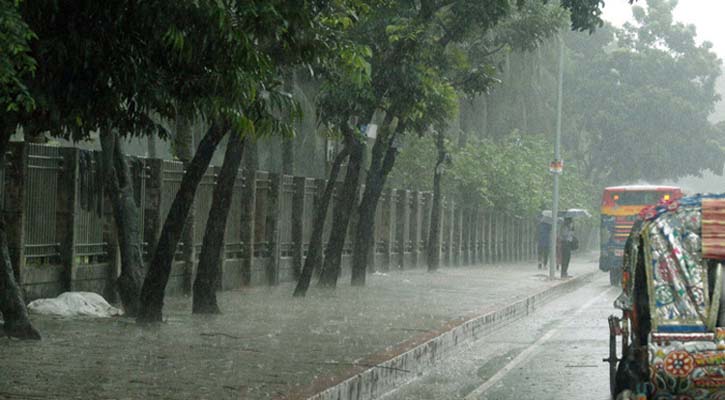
(556,167)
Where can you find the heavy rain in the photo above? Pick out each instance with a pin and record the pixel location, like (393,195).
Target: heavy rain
(360,200)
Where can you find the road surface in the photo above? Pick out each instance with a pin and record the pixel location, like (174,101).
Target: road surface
(556,353)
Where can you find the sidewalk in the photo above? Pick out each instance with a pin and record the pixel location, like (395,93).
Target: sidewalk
(266,344)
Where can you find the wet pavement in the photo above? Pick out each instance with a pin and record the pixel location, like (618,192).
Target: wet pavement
(556,353)
(265,345)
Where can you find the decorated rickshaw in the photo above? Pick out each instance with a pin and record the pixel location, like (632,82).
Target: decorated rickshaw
(672,327)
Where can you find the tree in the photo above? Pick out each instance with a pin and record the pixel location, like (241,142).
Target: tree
(434,235)
(109,67)
(347,199)
(16,65)
(643,100)
(414,53)
(314,252)
(262,123)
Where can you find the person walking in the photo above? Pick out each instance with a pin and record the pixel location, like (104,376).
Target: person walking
(543,248)
(568,243)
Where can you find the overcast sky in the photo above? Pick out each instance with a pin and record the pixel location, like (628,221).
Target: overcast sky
(706,15)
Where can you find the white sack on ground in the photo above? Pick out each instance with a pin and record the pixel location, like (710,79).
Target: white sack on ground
(74,304)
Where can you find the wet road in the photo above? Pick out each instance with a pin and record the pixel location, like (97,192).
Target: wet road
(556,353)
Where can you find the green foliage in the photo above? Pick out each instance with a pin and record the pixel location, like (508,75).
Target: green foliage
(508,174)
(639,107)
(16,64)
(112,65)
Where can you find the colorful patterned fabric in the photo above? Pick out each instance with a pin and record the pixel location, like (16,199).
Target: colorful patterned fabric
(673,253)
(713,229)
(687,369)
(677,276)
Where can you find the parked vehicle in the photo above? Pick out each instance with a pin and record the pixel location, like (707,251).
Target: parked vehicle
(620,206)
(672,326)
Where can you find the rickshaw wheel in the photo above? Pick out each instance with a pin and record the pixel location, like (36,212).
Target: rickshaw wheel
(612,360)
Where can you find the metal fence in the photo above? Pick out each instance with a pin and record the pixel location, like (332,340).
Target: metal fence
(402,218)
(171,174)
(285,216)
(233,245)
(89,209)
(261,245)
(381,224)
(44,165)
(140,175)
(308,213)
(202,206)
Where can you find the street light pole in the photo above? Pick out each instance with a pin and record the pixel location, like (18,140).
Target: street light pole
(557,158)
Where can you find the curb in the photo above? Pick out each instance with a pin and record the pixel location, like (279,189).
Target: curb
(380,373)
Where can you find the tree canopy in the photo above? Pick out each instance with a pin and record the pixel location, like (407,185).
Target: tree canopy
(640,100)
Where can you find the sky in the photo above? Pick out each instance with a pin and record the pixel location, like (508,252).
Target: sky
(706,15)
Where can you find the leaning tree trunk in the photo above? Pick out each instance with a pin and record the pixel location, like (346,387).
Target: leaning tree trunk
(208,272)
(382,160)
(183,148)
(434,234)
(341,217)
(152,292)
(16,322)
(119,188)
(314,252)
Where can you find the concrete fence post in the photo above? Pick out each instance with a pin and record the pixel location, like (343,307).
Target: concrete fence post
(509,238)
(474,236)
(465,236)
(298,210)
(66,227)
(482,232)
(499,232)
(272,228)
(387,221)
(415,234)
(425,225)
(459,236)
(512,238)
(247,224)
(520,245)
(450,230)
(402,224)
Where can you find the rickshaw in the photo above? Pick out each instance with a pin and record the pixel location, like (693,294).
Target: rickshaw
(672,327)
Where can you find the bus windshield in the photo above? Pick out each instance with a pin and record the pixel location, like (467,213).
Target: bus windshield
(634,198)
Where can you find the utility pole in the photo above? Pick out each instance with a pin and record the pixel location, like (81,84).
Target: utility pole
(558,169)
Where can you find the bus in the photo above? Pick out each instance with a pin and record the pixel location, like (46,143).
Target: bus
(620,207)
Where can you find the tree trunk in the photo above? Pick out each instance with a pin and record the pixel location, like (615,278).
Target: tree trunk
(381,162)
(434,234)
(341,216)
(210,258)
(183,146)
(152,292)
(119,188)
(314,252)
(16,322)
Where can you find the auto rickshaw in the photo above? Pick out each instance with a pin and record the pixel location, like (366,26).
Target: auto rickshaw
(672,327)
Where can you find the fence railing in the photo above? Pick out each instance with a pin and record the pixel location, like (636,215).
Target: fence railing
(66,239)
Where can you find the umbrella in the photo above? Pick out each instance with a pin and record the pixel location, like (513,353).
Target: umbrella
(570,213)
(574,212)
(546,217)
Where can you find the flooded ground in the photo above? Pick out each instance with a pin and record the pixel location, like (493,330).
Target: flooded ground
(264,345)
